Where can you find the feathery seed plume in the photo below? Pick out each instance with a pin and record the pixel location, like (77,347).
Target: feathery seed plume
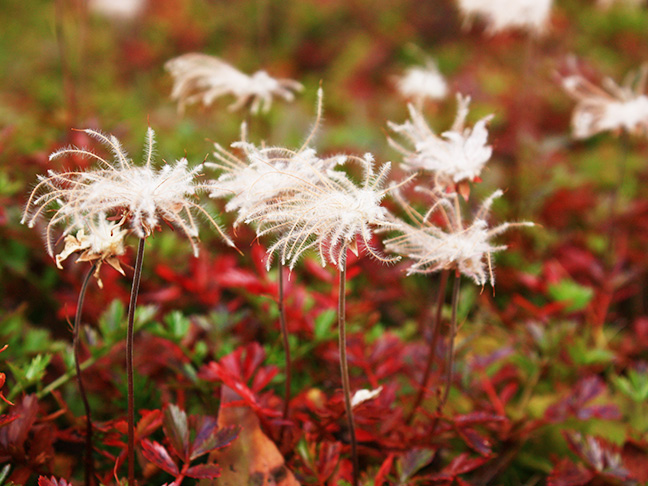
(203,78)
(611,107)
(459,154)
(143,195)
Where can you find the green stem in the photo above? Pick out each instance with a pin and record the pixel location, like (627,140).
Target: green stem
(451,338)
(129,361)
(344,366)
(286,345)
(89,463)
(436,326)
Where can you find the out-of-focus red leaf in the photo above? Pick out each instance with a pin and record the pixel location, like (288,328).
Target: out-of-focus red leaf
(176,430)
(385,467)
(328,460)
(575,404)
(635,459)
(158,455)
(45,481)
(204,471)
(566,473)
(209,438)
(476,441)
(462,464)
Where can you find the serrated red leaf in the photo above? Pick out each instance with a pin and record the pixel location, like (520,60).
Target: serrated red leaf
(45,481)
(149,423)
(158,455)
(176,429)
(209,439)
(204,471)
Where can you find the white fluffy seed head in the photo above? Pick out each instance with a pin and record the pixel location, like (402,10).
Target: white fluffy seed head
(458,154)
(467,250)
(199,78)
(143,195)
(528,15)
(420,83)
(328,215)
(610,108)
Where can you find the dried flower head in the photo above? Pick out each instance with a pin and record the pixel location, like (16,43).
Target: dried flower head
(102,241)
(465,249)
(202,78)
(420,83)
(328,215)
(529,15)
(266,172)
(459,154)
(607,4)
(143,195)
(612,107)
(118,9)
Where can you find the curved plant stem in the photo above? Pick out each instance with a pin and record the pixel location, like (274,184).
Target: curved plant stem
(89,463)
(451,338)
(344,367)
(286,345)
(436,326)
(129,361)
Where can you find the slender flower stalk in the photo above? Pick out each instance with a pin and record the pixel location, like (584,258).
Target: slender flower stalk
(286,345)
(451,339)
(89,462)
(344,367)
(436,327)
(132,304)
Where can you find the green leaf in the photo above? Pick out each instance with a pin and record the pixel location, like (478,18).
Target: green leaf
(36,368)
(635,385)
(323,324)
(575,296)
(177,324)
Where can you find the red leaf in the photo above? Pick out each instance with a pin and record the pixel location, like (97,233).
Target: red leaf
(45,481)
(635,459)
(176,430)
(204,471)
(463,464)
(386,466)
(476,441)
(566,473)
(158,455)
(207,440)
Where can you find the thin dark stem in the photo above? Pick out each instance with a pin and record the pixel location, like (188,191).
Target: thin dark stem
(344,367)
(286,345)
(129,361)
(89,463)
(436,326)
(613,209)
(451,338)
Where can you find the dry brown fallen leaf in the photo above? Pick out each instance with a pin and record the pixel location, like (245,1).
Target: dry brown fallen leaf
(252,459)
